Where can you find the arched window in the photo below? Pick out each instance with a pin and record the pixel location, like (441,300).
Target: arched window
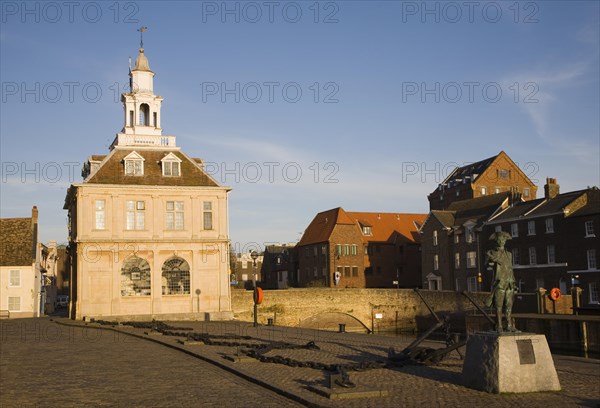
(176,277)
(135,277)
(144,115)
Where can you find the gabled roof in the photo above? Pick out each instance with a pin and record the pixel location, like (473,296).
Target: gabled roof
(16,242)
(385,227)
(446,218)
(320,228)
(478,209)
(543,207)
(471,169)
(112,170)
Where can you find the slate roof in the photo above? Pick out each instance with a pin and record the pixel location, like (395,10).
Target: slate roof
(477,209)
(16,242)
(471,169)
(446,218)
(385,227)
(543,207)
(112,170)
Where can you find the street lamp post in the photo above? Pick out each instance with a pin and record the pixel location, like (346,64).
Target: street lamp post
(254,255)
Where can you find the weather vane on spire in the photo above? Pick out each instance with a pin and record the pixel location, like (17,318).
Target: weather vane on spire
(141,30)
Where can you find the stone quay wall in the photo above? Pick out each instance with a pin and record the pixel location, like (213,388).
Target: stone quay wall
(359,309)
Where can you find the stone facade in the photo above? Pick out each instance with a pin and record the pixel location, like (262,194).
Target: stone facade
(148,228)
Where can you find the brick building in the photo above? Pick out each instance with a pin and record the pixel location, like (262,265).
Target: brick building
(493,175)
(360,249)
(451,242)
(554,240)
(280,266)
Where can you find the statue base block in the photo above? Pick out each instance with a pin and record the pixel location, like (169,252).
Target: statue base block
(509,362)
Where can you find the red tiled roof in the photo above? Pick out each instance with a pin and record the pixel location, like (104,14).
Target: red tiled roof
(385,227)
(320,228)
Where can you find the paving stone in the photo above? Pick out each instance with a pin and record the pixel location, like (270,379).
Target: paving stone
(107,367)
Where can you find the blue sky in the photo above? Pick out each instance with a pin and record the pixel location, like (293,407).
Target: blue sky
(303,106)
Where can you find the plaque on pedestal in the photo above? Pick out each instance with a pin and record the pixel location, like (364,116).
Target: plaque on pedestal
(509,362)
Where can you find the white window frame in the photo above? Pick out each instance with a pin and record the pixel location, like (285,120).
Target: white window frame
(551,254)
(498,228)
(171,165)
(514,230)
(436,262)
(174,215)
(456,260)
(14,278)
(594,288)
(526,192)
(135,215)
(471,259)
(589,229)
(100,214)
(456,238)
(207,214)
(592,261)
(483,190)
(515,256)
(354,249)
(532,256)
(531,227)
(134,165)
(435,238)
(549,225)
(11,303)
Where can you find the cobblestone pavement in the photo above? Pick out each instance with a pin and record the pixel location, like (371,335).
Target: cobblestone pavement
(104,366)
(43,364)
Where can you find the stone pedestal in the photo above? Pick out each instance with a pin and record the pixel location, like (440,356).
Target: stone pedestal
(509,362)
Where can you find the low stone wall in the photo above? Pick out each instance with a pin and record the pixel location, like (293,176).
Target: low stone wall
(359,309)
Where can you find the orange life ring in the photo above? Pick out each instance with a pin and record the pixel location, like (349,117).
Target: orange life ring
(555,294)
(258,296)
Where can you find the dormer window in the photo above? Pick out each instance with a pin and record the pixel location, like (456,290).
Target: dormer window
(366,230)
(171,165)
(134,164)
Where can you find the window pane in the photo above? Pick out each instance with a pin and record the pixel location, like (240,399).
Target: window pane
(14,303)
(175,168)
(140,221)
(208,221)
(170,206)
(207,206)
(170,221)
(15,278)
(179,220)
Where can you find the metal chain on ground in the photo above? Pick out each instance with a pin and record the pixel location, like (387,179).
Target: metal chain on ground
(253,350)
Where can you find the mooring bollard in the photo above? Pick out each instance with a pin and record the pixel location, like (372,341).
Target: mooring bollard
(270,321)
(342,328)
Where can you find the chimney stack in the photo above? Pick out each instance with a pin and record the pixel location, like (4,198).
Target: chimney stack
(34,215)
(551,189)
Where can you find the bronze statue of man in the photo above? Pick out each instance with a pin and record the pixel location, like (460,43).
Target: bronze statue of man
(503,284)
